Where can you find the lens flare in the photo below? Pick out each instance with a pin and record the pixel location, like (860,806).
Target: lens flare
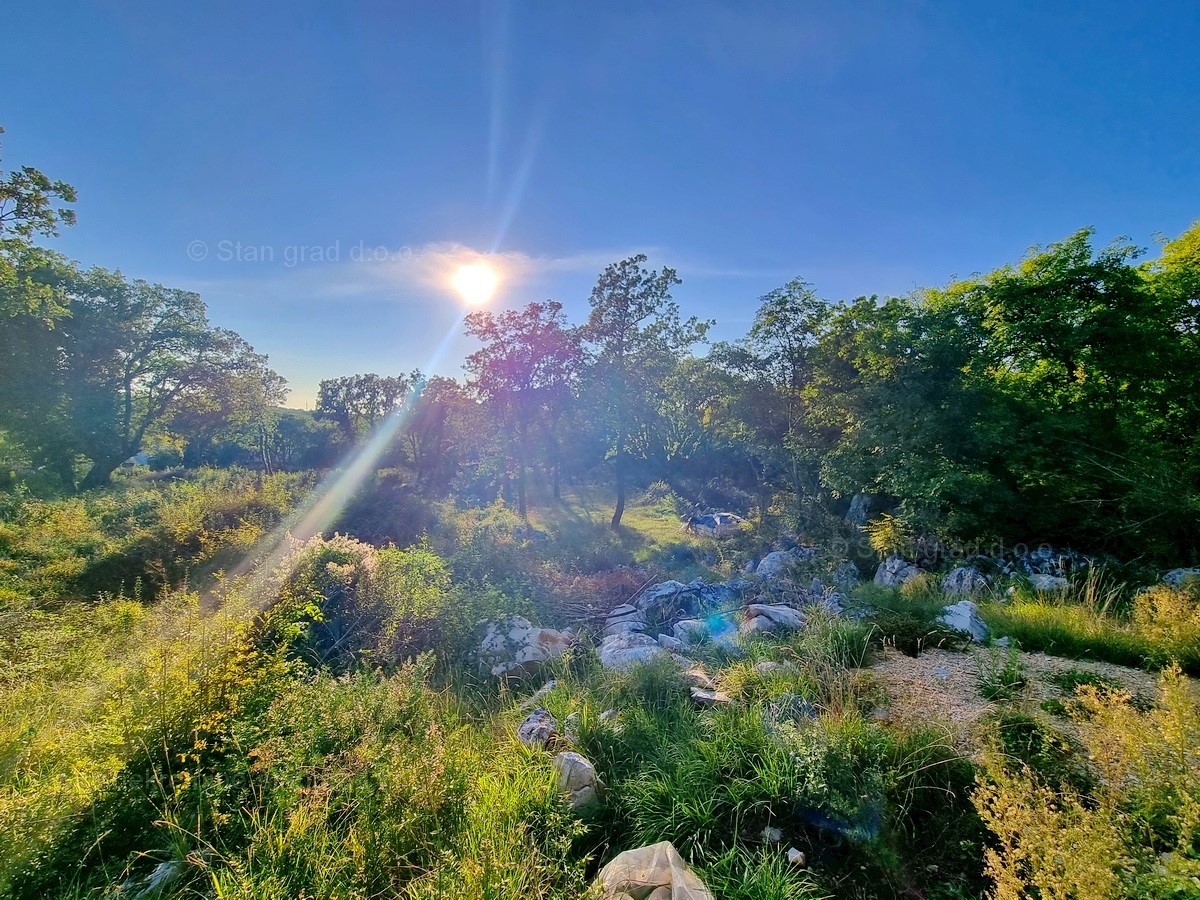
(475,283)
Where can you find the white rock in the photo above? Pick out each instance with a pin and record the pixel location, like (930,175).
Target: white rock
(659,599)
(964,581)
(690,631)
(515,646)
(894,572)
(621,651)
(1052,584)
(772,835)
(777,565)
(779,614)
(672,644)
(640,873)
(577,778)
(703,697)
(964,616)
(797,858)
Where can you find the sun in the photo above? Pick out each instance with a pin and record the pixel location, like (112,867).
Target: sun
(476,283)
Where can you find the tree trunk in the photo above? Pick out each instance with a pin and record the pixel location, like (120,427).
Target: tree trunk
(99,474)
(619,463)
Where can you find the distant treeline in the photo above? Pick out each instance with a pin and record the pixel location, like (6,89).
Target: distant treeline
(1057,399)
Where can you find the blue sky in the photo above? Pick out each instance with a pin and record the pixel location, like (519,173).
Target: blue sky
(369,148)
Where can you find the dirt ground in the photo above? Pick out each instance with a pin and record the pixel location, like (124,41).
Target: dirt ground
(942,686)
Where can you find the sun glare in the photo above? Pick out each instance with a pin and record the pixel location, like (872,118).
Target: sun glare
(476,283)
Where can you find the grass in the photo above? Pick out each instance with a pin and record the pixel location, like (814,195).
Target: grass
(340,743)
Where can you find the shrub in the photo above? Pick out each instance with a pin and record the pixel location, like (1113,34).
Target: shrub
(1002,677)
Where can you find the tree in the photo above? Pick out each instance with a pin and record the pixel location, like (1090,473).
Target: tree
(356,403)
(523,373)
(635,336)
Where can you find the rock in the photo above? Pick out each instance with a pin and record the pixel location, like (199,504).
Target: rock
(642,872)
(661,599)
(767,667)
(894,572)
(860,509)
(964,581)
(779,615)
(771,835)
(702,697)
(697,677)
(1051,584)
(796,858)
(777,565)
(1177,578)
(757,625)
(514,646)
(1048,561)
(623,619)
(577,778)
(833,603)
(710,595)
(608,715)
(846,575)
(1002,642)
(671,644)
(525,532)
(940,672)
(538,729)
(690,631)
(964,616)
(620,651)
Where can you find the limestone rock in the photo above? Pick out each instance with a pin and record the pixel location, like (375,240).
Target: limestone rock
(538,728)
(964,581)
(641,873)
(661,599)
(703,697)
(577,778)
(779,615)
(690,631)
(1051,584)
(514,646)
(964,616)
(621,651)
(894,572)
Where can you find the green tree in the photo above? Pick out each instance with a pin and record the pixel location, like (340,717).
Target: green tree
(524,373)
(635,336)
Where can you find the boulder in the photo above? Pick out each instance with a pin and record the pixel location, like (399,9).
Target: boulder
(656,871)
(538,729)
(690,631)
(697,677)
(709,595)
(1051,584)
(621,651)
(778,564)
(894,572)
(661,600)
(1177,578)
(577,779)
(757,625)
(514,646)
(964,616)
(715,525)
(623,619)
(964,581)
(779,615)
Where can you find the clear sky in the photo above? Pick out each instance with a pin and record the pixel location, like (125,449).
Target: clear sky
(368,148)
